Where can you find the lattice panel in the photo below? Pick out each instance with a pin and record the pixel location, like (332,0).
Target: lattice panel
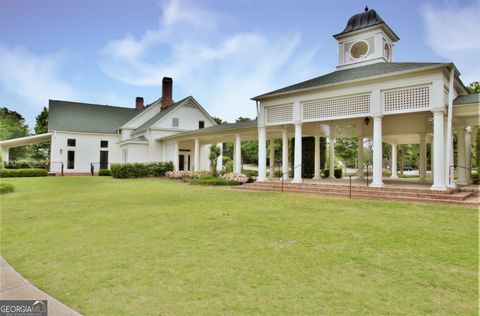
(406,99)
(371,45)
(348,106)
(280,114)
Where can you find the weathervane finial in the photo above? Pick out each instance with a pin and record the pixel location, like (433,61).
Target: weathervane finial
(366,8)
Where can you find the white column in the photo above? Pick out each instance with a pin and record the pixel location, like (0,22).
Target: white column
(331,157)
(468,151)
(297,161)
(360,158)
(237,160)
(461,172)
(220,158)
(394,162)
(271,157)
(432,158)
(377,180)
(175,156)
(439,151)
(449,179)
(5,154)
(316,174)
(285,154)
(262,154)
(196,158)
(422,165)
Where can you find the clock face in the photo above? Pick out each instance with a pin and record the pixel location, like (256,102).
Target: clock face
(359,50)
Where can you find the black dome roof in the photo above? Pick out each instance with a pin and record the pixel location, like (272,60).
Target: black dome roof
(363,20)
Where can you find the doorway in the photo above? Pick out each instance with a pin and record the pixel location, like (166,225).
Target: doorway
(104,159)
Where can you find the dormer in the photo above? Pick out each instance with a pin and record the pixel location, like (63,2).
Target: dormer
(366,39)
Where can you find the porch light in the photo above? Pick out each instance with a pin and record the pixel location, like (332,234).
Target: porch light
(61,151)
(367,120)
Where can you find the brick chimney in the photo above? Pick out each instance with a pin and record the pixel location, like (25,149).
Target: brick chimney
(139,103)
(166,92)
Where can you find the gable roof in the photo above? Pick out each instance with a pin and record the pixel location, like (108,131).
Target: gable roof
(467,99)
(87,117)
(159,115)
(361,72)
(215,128)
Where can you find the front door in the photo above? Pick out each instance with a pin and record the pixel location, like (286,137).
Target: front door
(181,162)
(103,159)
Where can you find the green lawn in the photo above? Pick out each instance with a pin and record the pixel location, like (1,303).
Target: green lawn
(154,246)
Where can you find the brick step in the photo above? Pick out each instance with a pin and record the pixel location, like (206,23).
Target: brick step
(355,186)
(359,191)
(452,198)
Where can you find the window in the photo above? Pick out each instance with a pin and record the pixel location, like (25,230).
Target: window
(71,142)
(386,51)
(104,143)
(70,159)
(175,122)
(125,155)
(201,124)
(359,50)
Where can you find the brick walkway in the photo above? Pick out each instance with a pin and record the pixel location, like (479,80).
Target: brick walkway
(15,287)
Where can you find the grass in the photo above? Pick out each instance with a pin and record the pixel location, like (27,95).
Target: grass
(6,188)
(152,246)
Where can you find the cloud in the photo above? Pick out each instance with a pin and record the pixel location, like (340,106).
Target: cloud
(223,71)
(34,79)
(452,32)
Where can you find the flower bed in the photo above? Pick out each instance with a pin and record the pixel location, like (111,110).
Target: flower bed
(237,177)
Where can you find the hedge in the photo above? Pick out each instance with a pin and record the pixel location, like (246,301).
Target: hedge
(11,173)
(140,170)
(338,173)
(104,172)
(6,188)
(212,181)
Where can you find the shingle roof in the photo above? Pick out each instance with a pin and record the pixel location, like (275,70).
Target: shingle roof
(86,117)
(159,115)
(467,99)
(362,72)
(220,127)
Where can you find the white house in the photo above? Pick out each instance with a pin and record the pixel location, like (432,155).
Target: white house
(386,101)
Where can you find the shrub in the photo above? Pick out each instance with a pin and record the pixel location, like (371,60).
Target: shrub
(229,166)
(338,173)
(175,174)
(11,173)
(250,173)
(226,159)
(140,170)
(237,177)
(104,172)
(475,177)
(6,188)
(277,173)
(212,181)
(26,164)
(196,174)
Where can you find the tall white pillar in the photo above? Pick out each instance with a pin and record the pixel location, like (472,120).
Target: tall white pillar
(262,154)
(175,155)
(439,151)
(394,162)
(272,157)
(285,154)
(196,158)
(422,165)
(316,174)
(5,154)
(220,158)
(461,172)
(468,152)
(361,159)
(377,180)
(297,161)
(331,157)
(237,160)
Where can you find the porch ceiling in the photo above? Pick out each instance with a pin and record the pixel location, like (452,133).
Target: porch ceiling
(28,140)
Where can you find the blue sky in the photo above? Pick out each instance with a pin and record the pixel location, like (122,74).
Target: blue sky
(221,52)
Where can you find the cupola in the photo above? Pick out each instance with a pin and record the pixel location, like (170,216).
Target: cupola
(366,39)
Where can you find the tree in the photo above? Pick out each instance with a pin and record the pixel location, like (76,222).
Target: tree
(473,87)
(12,125)
(41,151)
(243,119)
(213,156)
(218,120)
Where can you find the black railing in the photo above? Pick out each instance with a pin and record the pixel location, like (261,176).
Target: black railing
(57,163)
(101,165)
(286,173)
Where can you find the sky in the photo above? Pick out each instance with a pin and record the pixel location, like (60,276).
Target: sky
(221,52)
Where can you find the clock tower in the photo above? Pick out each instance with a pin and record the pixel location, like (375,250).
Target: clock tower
(366,39)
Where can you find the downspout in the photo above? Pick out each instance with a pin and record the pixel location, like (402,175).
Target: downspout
(449,148)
